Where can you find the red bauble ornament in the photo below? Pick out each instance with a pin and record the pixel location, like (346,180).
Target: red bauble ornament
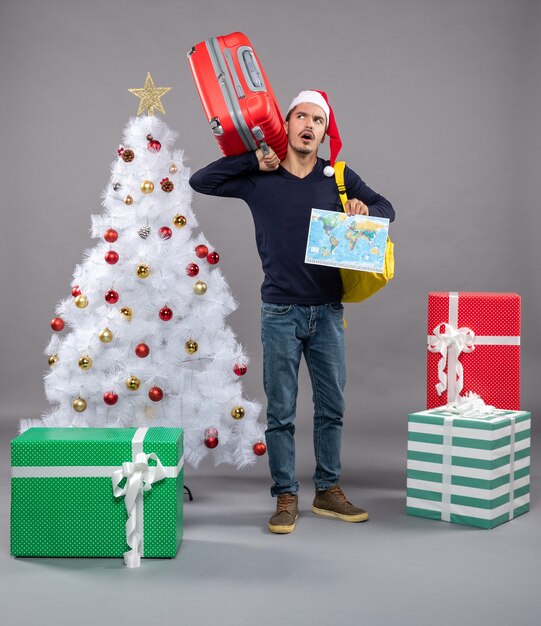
(110,398)
(211,437)
(111,296)
(213,258)
(165,232)
(155,394)
(111,257)
(57,324)
(142,350)
(154,145)
(201,251)
(259,448)
(76,291)
(110,235)
(166,314)
(240,369)
(192,269)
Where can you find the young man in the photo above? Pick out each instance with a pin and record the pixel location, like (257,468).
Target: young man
(301,312)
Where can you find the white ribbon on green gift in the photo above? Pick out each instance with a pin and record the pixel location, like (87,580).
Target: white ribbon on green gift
(470,406)
(451,342)
(139,478)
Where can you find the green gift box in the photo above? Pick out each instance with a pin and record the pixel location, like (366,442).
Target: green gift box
(97,492)
(468,470)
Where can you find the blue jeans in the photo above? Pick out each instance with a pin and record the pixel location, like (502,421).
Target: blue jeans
(287,332)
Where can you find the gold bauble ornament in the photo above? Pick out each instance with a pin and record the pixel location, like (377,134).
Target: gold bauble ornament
(53,359)
(128,200)
(105,335)
(191,346)
(173,169)
(79,405)
(81,301)
(200,287)
(179,220)
(143,271)
(126,312)
(133,383)
(147,186)
(238,413)
(85,362)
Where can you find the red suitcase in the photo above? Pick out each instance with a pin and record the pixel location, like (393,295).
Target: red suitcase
(237,97)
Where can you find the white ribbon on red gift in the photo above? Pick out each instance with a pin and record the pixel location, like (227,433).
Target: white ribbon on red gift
(140,476)
(451,342)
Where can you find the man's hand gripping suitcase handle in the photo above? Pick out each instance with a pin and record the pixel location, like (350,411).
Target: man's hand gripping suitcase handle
(260,138)
(268,160)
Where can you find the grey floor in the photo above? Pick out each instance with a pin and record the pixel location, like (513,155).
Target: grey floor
(393,570)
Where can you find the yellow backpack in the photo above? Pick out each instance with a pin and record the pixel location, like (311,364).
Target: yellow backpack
(356,285)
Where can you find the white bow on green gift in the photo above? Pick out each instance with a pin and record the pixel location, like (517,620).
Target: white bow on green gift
(140,477)
(470,405)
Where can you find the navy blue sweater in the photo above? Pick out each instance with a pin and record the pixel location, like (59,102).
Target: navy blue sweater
(281,204)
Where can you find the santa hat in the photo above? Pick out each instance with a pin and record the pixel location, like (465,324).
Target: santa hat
(335,143)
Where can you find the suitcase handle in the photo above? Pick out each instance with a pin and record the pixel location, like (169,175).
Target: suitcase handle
(221,66)
(260,137)
(250,68)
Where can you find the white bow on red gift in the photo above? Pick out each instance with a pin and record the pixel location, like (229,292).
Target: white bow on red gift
(462,340)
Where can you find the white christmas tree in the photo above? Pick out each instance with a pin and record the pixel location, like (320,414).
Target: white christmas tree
(142,341)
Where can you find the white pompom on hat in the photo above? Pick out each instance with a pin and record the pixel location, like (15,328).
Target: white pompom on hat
(321,100)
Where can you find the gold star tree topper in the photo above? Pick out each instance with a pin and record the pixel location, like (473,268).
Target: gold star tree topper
(150,96)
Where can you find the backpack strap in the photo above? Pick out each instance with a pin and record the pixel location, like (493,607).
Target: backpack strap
(339,167)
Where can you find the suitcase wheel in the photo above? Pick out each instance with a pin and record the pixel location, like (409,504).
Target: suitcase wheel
(216,127)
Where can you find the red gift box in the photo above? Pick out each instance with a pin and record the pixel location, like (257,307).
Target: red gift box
(474,345)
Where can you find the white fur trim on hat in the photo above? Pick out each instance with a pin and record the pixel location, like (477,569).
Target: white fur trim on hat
(313,97)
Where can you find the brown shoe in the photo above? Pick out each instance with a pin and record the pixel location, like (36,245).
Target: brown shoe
(333,503)
(287,511)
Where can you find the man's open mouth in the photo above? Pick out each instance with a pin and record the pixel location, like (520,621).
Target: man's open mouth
(307,135)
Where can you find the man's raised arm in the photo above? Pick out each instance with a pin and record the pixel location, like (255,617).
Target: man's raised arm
(231,176)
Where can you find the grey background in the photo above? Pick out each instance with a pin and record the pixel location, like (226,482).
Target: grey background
(437,103)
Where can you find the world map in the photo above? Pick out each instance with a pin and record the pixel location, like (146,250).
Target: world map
(352,242)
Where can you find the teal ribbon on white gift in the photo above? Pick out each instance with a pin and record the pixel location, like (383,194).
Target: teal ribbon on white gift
(140,477)
(451,342)
(470,406)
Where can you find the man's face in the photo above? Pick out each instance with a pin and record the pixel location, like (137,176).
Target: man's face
(306,128)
